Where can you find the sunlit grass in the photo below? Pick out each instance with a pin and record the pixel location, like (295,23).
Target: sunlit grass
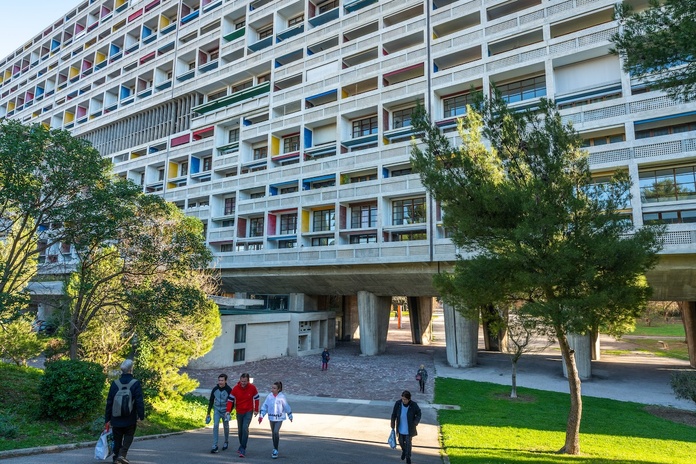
(659,329)
(492,428)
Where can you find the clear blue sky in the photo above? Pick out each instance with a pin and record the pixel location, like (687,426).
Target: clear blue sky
(21,20)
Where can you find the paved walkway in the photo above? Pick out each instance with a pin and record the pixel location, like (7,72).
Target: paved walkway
(342,415)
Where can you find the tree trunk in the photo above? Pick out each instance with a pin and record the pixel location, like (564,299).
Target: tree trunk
(72,336)
(513,393)
(572,442)
(688,313)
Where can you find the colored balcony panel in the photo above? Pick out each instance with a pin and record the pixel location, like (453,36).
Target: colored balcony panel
(324,17)
(151,5)
(211,5)
(261,44)
(204,133)
(190,17)
(209,66)
(356,5)
(290,32)
(165,48)
(234,98)
(180,140)
(235,34)
(134,16)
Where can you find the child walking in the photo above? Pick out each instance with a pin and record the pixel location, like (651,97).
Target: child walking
(277,408)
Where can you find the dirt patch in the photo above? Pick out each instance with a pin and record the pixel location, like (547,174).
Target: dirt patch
(519,399)
(679,416)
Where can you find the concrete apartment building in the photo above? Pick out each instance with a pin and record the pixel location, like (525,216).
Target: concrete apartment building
(285,127)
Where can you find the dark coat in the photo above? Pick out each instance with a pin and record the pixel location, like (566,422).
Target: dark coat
(413,416)
(139,405)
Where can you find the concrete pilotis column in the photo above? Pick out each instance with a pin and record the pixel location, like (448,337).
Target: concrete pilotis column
(420,310)
(373,312)
(461,338)
(582,345)
(350,326)
(302,302)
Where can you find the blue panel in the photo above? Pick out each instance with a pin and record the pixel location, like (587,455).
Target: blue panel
(385,173)
(195,165)
(307,138)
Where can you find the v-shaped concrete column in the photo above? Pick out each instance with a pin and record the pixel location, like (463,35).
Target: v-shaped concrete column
(373,313)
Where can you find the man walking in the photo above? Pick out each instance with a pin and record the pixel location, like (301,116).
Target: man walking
(124,408)
(405,416)
(245,398)
(218,403)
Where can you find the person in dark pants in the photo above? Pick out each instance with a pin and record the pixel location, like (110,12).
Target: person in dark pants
(218,404)
(325,359)
(422,377)
(406,416)
(124,426)
(244,397)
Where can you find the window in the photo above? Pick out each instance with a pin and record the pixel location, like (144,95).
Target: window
(233,136)
(207,163)
(239,355)
(285,190)
(241,86)
(668,130)
(226,247)
(525,89)
(259,194)
(363,216)
(363,178)
(670,217)
(323,220)
(254,246)
(408,236)
(363,238)
(240,333)
(323,184)
(291,144)
(411,211)
(216,95)
(456,105)
(322,241)
(670,184)
(327,6)
(256,227)
(402,118)
(266,31)
(603,140)
(287,243)
(214,54)
(230,204)
(367,126)
(192,65)
(183,168)
(160,174)
(296,20)
(263,78)
(288,224)
(401,172)
(239,25)
(260,153)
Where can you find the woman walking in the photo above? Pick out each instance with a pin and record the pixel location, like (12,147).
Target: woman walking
(422,377)
(277,408)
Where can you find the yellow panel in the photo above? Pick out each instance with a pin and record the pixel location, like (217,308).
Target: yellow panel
(164,22)
(68,118)
(305,221)
(120,2)
(100,57)
(275,146)
(173,170)
(73,72)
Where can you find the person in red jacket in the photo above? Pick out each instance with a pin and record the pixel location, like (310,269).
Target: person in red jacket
(245,398)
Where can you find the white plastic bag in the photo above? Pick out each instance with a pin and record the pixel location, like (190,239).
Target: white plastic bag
(104,446)
(392,439)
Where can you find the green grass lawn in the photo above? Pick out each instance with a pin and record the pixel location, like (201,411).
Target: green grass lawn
(659,329)
(492,428)
(22,426)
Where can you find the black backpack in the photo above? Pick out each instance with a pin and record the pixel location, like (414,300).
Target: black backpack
(123,400)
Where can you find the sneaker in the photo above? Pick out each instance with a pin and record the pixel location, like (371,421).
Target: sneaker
(214,450)
(275,454)
(241,452)
(122,460)
(225,446)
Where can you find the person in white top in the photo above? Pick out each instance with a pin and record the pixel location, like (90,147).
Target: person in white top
(277,408)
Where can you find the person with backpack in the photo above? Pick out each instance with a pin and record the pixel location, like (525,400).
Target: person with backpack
(124,408)
(218,403)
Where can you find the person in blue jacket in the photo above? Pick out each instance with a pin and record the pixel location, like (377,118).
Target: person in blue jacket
(325,359)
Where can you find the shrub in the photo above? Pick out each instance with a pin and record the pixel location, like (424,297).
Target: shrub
(684,385)
(74,388)
(18,342)
(7,428)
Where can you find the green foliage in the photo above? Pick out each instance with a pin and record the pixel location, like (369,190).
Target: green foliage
(74,388)
(21,402)
(8,429)
(657,45)
(492,428)
(18,342)
(684,385)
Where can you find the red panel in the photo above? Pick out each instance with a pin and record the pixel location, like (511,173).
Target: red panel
(197,134)
(151,5)
(271,225)
(180,140)
(135,15)
(147,57)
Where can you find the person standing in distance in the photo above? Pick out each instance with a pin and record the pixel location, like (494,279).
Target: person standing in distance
(277,407)
(325,359)
(406,416)
(422,377)
(124,425)
(244,397)
(218,403)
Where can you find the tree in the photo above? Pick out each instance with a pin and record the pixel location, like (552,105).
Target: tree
(18,342)
(657,45)
(48,181)
(533,228)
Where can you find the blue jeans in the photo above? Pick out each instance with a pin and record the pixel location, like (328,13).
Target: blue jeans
(243,421)
(217,417)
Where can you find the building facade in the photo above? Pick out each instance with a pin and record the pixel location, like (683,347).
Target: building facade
(285,127)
